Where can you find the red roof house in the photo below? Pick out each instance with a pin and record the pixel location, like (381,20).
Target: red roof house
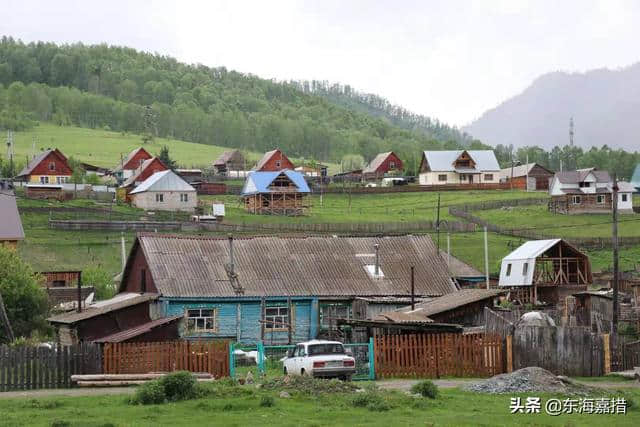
(273,161)
(382,164)
(49,167)
(131,163)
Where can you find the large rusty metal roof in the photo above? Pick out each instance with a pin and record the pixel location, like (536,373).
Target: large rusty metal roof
(190,266)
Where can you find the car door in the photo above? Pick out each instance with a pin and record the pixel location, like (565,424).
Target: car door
(302,360)
(290,362)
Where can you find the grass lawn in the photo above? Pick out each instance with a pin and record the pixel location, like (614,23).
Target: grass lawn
(389,207)
(243,407)
(587,225)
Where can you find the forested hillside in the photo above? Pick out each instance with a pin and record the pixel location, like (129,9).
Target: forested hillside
(122,89)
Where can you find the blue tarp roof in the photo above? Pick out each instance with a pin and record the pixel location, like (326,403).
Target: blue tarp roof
(259,182)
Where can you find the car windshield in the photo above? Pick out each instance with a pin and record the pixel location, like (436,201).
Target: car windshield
(317,349)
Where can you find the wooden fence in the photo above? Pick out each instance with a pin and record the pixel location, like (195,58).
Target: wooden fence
(436,355)
(28,368)
(572,351)
(630,355)
(143,358)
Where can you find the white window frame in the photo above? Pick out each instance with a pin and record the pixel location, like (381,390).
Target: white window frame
(508,272)
(624,197)
(159,197)
(199,320)
(576,200)
(278,163)
(525,269)
(442,175)
(277,321)
(600,199)
(184,197)
(392,165)
(52,166)
(44,179)
(488,177)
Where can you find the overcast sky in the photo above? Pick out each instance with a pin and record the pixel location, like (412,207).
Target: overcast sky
(451,60)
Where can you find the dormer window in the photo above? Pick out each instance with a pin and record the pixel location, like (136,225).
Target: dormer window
(585,184)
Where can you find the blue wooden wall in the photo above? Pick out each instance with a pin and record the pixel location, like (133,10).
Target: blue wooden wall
(238,319)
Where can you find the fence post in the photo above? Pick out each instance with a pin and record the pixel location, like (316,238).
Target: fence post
(232,364)
(509,353)
(261,358)
(372,360)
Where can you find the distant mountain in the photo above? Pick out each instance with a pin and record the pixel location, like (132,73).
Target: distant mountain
(604,104)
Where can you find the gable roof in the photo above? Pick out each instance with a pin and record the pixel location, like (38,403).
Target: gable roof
(443,161)
(579,175)
(163,181)
(531,249)
(259,182)
(10,223)
(377,162)
(521,170)
(439,305)
(225,157)
(267,156)
(194,266)
(457,268)
(38,159)
(130,156)
(133,178)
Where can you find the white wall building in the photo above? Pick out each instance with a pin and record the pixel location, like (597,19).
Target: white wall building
(165,191)
(459,167)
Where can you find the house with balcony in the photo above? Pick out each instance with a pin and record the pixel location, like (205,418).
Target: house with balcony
(459,167)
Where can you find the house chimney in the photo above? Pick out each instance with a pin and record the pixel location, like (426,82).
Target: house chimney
(79,309)
(231,258)
(377,266)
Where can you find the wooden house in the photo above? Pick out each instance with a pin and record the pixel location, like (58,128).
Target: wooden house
(276,193)
(592,309)
(125,312)
(48,167)
(141,174)
(229,161)
(130,164)
(273,161)
(46,192)
(459,167)
(383,164)
(164,191)
(192,176)
(545,271)
(277,289)
(11,231)
(531,176)
(588,191)
(464,307)
(61,279)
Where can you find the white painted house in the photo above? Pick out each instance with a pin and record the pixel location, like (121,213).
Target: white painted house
(165,191)
(459,167)
(588,191)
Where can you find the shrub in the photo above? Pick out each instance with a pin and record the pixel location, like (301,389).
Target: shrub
(267,401)
(151,393)
(370,400)
(179,386)
(425,388)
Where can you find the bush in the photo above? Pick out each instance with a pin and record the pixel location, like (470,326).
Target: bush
(425,389)
(179,386)
(151,393)
(370,400)
(267,401)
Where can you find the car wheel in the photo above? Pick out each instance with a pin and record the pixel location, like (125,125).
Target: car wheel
(303,372)
(285,370)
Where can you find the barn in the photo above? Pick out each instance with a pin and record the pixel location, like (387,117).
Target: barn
(530,176)
(383,164)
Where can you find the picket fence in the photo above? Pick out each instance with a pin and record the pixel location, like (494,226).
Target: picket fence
(437,355)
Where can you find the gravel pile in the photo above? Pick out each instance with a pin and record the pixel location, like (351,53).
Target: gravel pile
(531,379)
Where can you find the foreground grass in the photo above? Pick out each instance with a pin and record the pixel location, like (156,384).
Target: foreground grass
(242,407)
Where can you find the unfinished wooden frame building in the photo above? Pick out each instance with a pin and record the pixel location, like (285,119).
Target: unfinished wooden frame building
(546,271)
(276,193)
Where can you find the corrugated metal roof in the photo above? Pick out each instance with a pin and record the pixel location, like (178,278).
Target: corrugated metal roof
(457,268)
(442,304)
(10,223)
(521,170)
(37,159)
(118,302)
(376,162)
(577,176)
(127,334)
(259,182)
(443,161)
(190,266)
(164,181)
(133,178)
(531,249)
(130,156)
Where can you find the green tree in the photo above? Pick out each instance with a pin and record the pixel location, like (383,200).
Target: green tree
(24,298)
(166,158)
(100,280)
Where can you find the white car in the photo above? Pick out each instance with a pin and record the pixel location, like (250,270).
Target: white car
(319,358)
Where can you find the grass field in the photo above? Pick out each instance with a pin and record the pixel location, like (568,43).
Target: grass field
(588,225)
(242,408)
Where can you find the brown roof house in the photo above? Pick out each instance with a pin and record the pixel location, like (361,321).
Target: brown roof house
(276,289)
(383,164)
(229,161)
(531,176)
(273,161)
(11,230)
(588,191)
(48,167)
(130,164)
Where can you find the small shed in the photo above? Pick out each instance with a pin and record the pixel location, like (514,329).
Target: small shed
(61,279)
(382,164)
(276,193)
(165,191)
(530,176)
(45,192)
(273,161)
(548,270)
(229,161)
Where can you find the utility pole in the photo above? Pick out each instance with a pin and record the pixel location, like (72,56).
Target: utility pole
(448,248)
(526,185)
(614,318)
(438,225)
(571,131)
(486,257)
(511,180)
